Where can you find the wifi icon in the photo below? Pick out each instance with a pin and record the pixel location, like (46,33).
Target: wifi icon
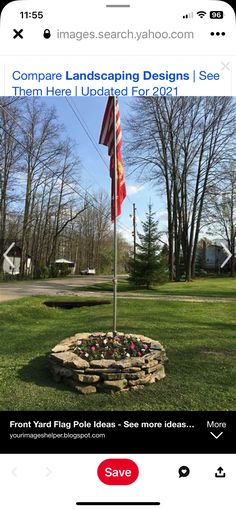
(201,14)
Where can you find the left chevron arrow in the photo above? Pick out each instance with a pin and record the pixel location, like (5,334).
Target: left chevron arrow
(5,255)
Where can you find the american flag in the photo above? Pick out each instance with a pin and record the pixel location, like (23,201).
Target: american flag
(111,127)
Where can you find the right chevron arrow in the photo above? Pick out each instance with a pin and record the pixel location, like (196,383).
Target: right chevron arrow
(228,253)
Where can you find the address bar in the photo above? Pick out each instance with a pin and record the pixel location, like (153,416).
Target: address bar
(123,34)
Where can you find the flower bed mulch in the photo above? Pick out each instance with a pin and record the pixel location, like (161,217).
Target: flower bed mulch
(107,347)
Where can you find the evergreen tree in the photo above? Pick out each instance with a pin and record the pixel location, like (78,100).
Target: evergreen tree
(149,266)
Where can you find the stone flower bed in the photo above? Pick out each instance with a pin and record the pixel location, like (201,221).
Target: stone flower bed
(97,362)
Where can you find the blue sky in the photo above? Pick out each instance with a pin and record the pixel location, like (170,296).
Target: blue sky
(95,173)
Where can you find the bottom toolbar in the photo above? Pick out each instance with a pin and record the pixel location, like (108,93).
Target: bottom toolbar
(66,482)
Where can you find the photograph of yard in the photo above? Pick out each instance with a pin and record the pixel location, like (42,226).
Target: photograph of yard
(175,252)
(199,338)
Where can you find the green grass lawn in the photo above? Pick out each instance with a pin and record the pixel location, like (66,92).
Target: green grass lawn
(200,339)
(208,287)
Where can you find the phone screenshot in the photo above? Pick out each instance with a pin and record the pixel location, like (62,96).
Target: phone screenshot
(117,255)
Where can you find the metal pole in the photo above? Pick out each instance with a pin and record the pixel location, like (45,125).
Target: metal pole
(134,230)
(115,231)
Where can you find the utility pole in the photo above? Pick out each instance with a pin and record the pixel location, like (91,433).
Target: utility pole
(134,230)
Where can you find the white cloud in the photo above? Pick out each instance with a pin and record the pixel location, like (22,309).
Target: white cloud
(133,190)
(162,216)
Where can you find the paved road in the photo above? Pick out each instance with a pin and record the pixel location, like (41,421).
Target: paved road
(69,286)
(16,290)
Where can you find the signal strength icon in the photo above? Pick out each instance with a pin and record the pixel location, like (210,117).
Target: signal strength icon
(188,16)
(201,14)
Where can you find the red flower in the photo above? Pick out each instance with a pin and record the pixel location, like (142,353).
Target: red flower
(139,353)
(132,346)
(93,348)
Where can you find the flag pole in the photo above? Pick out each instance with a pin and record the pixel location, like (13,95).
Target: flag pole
(115,230)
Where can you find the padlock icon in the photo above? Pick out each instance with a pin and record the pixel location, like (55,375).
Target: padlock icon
(47,33)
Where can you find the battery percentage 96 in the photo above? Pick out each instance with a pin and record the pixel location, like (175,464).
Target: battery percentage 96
(216,14)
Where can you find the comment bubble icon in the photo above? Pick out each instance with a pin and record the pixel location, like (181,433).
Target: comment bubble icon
(184,471)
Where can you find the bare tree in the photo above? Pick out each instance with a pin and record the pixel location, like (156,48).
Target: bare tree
(179,144)
(220,210)
(9,156)
(42,207)
(39,141)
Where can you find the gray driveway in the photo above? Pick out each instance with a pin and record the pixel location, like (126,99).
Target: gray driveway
(16,290)
(69,286)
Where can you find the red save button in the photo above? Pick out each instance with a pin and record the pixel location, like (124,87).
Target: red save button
(118,471)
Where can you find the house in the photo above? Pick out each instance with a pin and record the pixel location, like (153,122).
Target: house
(212,255)
(60,263)
(12,261)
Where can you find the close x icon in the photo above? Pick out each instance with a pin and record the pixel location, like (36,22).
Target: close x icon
(18,33)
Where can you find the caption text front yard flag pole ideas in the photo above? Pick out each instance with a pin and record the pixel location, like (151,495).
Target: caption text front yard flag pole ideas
(111,136)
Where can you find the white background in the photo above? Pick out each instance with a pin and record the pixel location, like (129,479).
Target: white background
(203,52)
(36,482)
